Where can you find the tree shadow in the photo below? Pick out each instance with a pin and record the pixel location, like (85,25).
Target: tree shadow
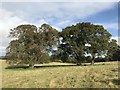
(17,67)
(50,66)
(116,81)
(115,70)
(44,66)
(47,66)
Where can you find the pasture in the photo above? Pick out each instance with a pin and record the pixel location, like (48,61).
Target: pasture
(61,75)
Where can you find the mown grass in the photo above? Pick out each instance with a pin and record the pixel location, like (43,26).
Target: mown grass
(54,75)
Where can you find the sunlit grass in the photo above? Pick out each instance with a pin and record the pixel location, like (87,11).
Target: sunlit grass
(100,75)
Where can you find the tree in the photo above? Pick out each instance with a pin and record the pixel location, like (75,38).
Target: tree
(73,43)
(116,54)
(113,50)
(30,46)
(50,37)
(76,37)
(99,40)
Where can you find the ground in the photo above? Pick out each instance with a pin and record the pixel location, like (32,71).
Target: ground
(62,75)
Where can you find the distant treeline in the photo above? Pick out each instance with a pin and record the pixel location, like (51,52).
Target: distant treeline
(3,58)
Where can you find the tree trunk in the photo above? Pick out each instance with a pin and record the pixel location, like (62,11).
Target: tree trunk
(79,64)
(31,65)
(92,61)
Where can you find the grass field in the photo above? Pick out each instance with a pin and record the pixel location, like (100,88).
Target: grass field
(54,75)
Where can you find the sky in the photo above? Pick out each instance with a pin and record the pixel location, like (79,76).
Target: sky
(57,14)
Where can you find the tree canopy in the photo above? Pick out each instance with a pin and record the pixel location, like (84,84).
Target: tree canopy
(32,45)
(84,38)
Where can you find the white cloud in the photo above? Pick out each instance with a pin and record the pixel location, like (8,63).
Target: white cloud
(40,22)
(64,23)
(9,21)
(58,14)
(60,0)
(57,28)
(63,11)
(111,26)
(2,48)
(60,25)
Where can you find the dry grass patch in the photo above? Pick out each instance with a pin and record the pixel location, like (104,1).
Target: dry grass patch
(97,76)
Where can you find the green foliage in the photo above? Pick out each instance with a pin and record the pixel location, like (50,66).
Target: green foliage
(3,57)
(75,38)
(31,44)
(113,50)
(116,54)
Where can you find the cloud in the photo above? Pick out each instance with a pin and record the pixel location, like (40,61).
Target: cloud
(56,11)
(57,28)
(60,0)
(113,25)
(58,15)
(60,25)
(2,47)
(9,21)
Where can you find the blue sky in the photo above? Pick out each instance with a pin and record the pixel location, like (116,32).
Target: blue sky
(58,15)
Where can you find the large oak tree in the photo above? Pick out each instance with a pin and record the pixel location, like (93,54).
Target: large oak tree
(31,44)
(82,38)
